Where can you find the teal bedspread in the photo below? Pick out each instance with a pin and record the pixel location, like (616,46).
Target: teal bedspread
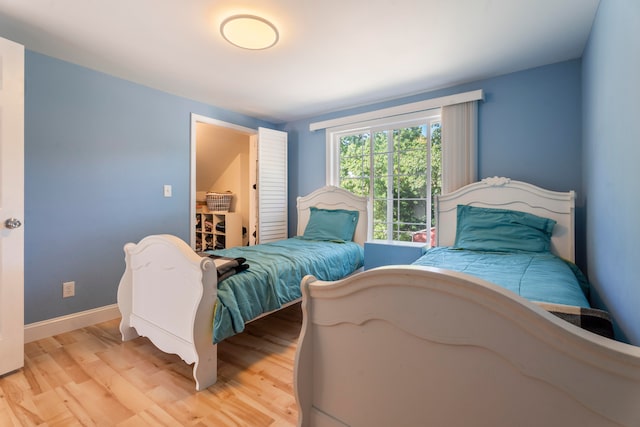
(274,275)
(536,276)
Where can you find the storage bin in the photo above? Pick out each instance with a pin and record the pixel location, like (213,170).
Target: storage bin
(219,202)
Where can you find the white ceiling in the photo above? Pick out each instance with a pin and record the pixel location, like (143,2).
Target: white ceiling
(332,54)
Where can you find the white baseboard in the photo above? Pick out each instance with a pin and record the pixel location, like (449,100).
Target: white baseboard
(59,325)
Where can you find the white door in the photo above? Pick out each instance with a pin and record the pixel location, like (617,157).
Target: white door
(272,185)
(11,206)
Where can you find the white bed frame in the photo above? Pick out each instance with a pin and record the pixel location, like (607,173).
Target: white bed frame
(419,346)
(167,292)
(504,193)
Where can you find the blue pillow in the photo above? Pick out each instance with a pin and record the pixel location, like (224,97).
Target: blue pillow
(331,224)
(502,230)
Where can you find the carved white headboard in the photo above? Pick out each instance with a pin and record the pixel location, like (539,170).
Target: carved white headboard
(331,197)
(504,193)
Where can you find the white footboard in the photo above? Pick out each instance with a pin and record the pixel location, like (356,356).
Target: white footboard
(409,346)
(167,294)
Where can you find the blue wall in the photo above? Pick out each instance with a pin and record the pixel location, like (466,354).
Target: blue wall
(611,90)
(98,151)
(530,129)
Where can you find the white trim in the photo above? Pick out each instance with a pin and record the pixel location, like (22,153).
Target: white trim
(404,120)
(398,243)
(71,322)
(413,107)
(210,121)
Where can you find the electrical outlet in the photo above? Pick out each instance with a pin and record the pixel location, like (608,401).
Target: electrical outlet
(68,289)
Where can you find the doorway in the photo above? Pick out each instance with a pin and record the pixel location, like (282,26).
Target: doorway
(223,159)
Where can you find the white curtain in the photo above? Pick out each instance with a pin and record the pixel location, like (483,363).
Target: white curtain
(459,145)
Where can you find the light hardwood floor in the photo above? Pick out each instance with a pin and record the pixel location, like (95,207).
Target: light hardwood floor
(90,377)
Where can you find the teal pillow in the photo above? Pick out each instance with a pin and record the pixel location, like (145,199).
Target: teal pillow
(331,224)
(502,230)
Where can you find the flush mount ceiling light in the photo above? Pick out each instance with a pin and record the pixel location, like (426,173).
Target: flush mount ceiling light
(249,32)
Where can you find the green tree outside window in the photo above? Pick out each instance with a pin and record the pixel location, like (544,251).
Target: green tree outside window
(400,169)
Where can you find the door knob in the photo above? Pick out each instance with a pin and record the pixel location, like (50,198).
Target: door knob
(12,223)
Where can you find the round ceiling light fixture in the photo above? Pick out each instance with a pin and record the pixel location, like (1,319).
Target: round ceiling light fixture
(249,32)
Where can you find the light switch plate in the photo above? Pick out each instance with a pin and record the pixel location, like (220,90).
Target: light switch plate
(167,190)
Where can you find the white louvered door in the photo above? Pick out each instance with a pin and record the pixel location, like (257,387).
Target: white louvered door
(272,185)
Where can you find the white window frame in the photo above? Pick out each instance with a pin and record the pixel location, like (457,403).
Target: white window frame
(334,134)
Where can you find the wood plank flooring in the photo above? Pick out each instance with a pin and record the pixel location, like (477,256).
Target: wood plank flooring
(89,377)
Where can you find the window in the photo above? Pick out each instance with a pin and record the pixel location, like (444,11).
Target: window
(396,162)
(367,154)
